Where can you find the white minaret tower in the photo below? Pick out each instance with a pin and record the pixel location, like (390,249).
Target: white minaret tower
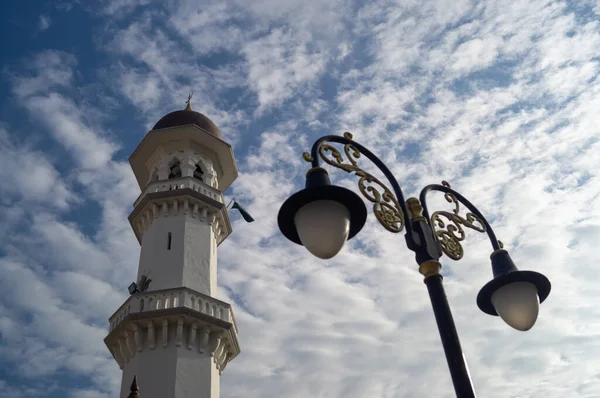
(172,334)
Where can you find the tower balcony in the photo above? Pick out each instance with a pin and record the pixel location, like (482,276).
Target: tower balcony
(180,319)
(181,297)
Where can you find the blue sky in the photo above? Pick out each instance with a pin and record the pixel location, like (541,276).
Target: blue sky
(500,98)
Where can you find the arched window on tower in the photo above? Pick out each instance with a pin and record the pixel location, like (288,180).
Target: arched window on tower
(198,173)
(175,170)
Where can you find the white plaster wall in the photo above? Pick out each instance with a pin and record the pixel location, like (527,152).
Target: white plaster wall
(200,258)
(172,372)
(191,261)
(161,265)
(196,377)
(155,371)
(215,382)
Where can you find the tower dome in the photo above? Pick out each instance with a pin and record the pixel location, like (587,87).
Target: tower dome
(186,117)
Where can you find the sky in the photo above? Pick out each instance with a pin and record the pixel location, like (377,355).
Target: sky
(500,98)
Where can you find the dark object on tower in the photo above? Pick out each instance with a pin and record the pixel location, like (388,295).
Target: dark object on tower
(134,390)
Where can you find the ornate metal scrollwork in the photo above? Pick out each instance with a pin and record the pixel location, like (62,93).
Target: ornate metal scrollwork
(450,233)
(386,208)
(307,158)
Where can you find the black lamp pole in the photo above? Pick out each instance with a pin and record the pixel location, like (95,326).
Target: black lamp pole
(429,237)
(445,323)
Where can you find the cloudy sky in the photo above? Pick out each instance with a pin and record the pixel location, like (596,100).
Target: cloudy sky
(501,98)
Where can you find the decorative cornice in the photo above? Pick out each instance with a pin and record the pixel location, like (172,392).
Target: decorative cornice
(180,201)
(216,338)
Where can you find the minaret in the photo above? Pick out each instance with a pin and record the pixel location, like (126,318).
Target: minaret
(172,334)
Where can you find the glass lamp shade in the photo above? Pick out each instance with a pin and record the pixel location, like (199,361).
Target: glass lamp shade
(323,227)
(518,304)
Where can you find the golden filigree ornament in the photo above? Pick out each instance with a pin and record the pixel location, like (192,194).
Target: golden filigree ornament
(386,208)
(450,232)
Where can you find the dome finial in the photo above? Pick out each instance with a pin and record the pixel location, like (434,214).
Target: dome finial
(188,104)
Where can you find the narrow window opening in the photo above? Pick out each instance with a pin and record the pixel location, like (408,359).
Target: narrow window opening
(198,173)
(169,242)
(175,171)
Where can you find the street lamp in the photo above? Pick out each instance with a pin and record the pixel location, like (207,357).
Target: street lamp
(323,216)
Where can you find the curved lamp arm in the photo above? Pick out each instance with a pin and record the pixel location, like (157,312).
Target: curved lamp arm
(390,210)
(451,234)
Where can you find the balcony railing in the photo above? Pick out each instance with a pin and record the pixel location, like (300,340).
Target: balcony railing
(173,298)
(181,183)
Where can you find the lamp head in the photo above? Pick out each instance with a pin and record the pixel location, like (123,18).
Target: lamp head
(513,295)
(133,288)
(321,216)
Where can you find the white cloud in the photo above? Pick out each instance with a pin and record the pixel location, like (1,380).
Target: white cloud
(280,65)
(45,344)
(116,7)
(9,391)
(65,120)
(41,94)
(89,393)
(29,176)
(475,54)
(77,278)
(51,69)
(216,25)
(164,74)
(208,26)
(44,23)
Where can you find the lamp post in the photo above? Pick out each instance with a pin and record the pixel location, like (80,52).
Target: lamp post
(323,216)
